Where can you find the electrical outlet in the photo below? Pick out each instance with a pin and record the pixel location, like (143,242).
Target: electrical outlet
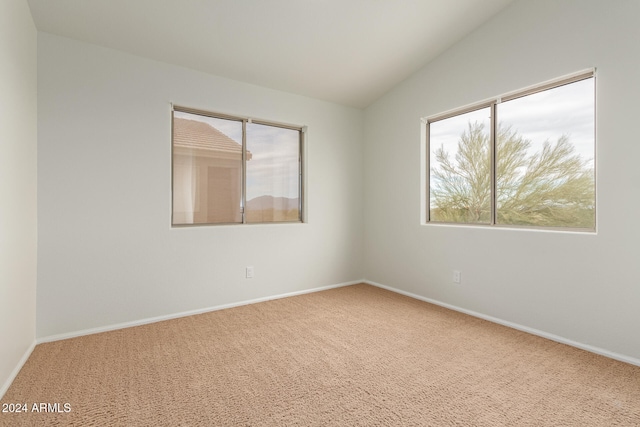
(249,272)
(457,276)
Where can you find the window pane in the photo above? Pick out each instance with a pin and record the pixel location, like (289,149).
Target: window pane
(544,158)
(273,174)
(460,168)
(207,169)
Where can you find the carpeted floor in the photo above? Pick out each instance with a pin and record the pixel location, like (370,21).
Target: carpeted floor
(352,356)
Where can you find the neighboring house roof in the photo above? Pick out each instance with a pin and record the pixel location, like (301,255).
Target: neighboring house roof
(193,134)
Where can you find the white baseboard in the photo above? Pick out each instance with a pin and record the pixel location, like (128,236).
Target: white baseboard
(552,337)
(117,326)
(16,370)
(562,340)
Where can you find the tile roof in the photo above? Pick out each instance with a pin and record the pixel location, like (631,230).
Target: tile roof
(195,134)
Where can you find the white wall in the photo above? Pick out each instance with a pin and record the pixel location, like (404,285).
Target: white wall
(18,191)
(107,253)
(581,287)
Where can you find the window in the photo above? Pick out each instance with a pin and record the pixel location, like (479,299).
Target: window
(525,160)
(230,170)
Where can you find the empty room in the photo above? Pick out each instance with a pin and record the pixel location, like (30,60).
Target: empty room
(319,213)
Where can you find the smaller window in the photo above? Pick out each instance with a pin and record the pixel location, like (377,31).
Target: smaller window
(229,170)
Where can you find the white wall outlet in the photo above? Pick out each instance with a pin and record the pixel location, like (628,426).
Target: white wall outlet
(249,272)
(457,276)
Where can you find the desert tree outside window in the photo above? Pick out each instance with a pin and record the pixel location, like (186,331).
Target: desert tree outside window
(233,170)
(526,159)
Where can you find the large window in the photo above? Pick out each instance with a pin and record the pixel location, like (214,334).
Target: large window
(526,159)
(230,170)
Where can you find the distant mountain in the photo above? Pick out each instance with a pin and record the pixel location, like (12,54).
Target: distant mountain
(272,203)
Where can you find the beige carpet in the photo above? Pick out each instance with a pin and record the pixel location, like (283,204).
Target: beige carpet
(353,356)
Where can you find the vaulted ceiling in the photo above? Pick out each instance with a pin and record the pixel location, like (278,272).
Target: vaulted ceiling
(345,51)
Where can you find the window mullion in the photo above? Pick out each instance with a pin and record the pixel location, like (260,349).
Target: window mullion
(494,169)
(303,136)
(428,171)
(243,201)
